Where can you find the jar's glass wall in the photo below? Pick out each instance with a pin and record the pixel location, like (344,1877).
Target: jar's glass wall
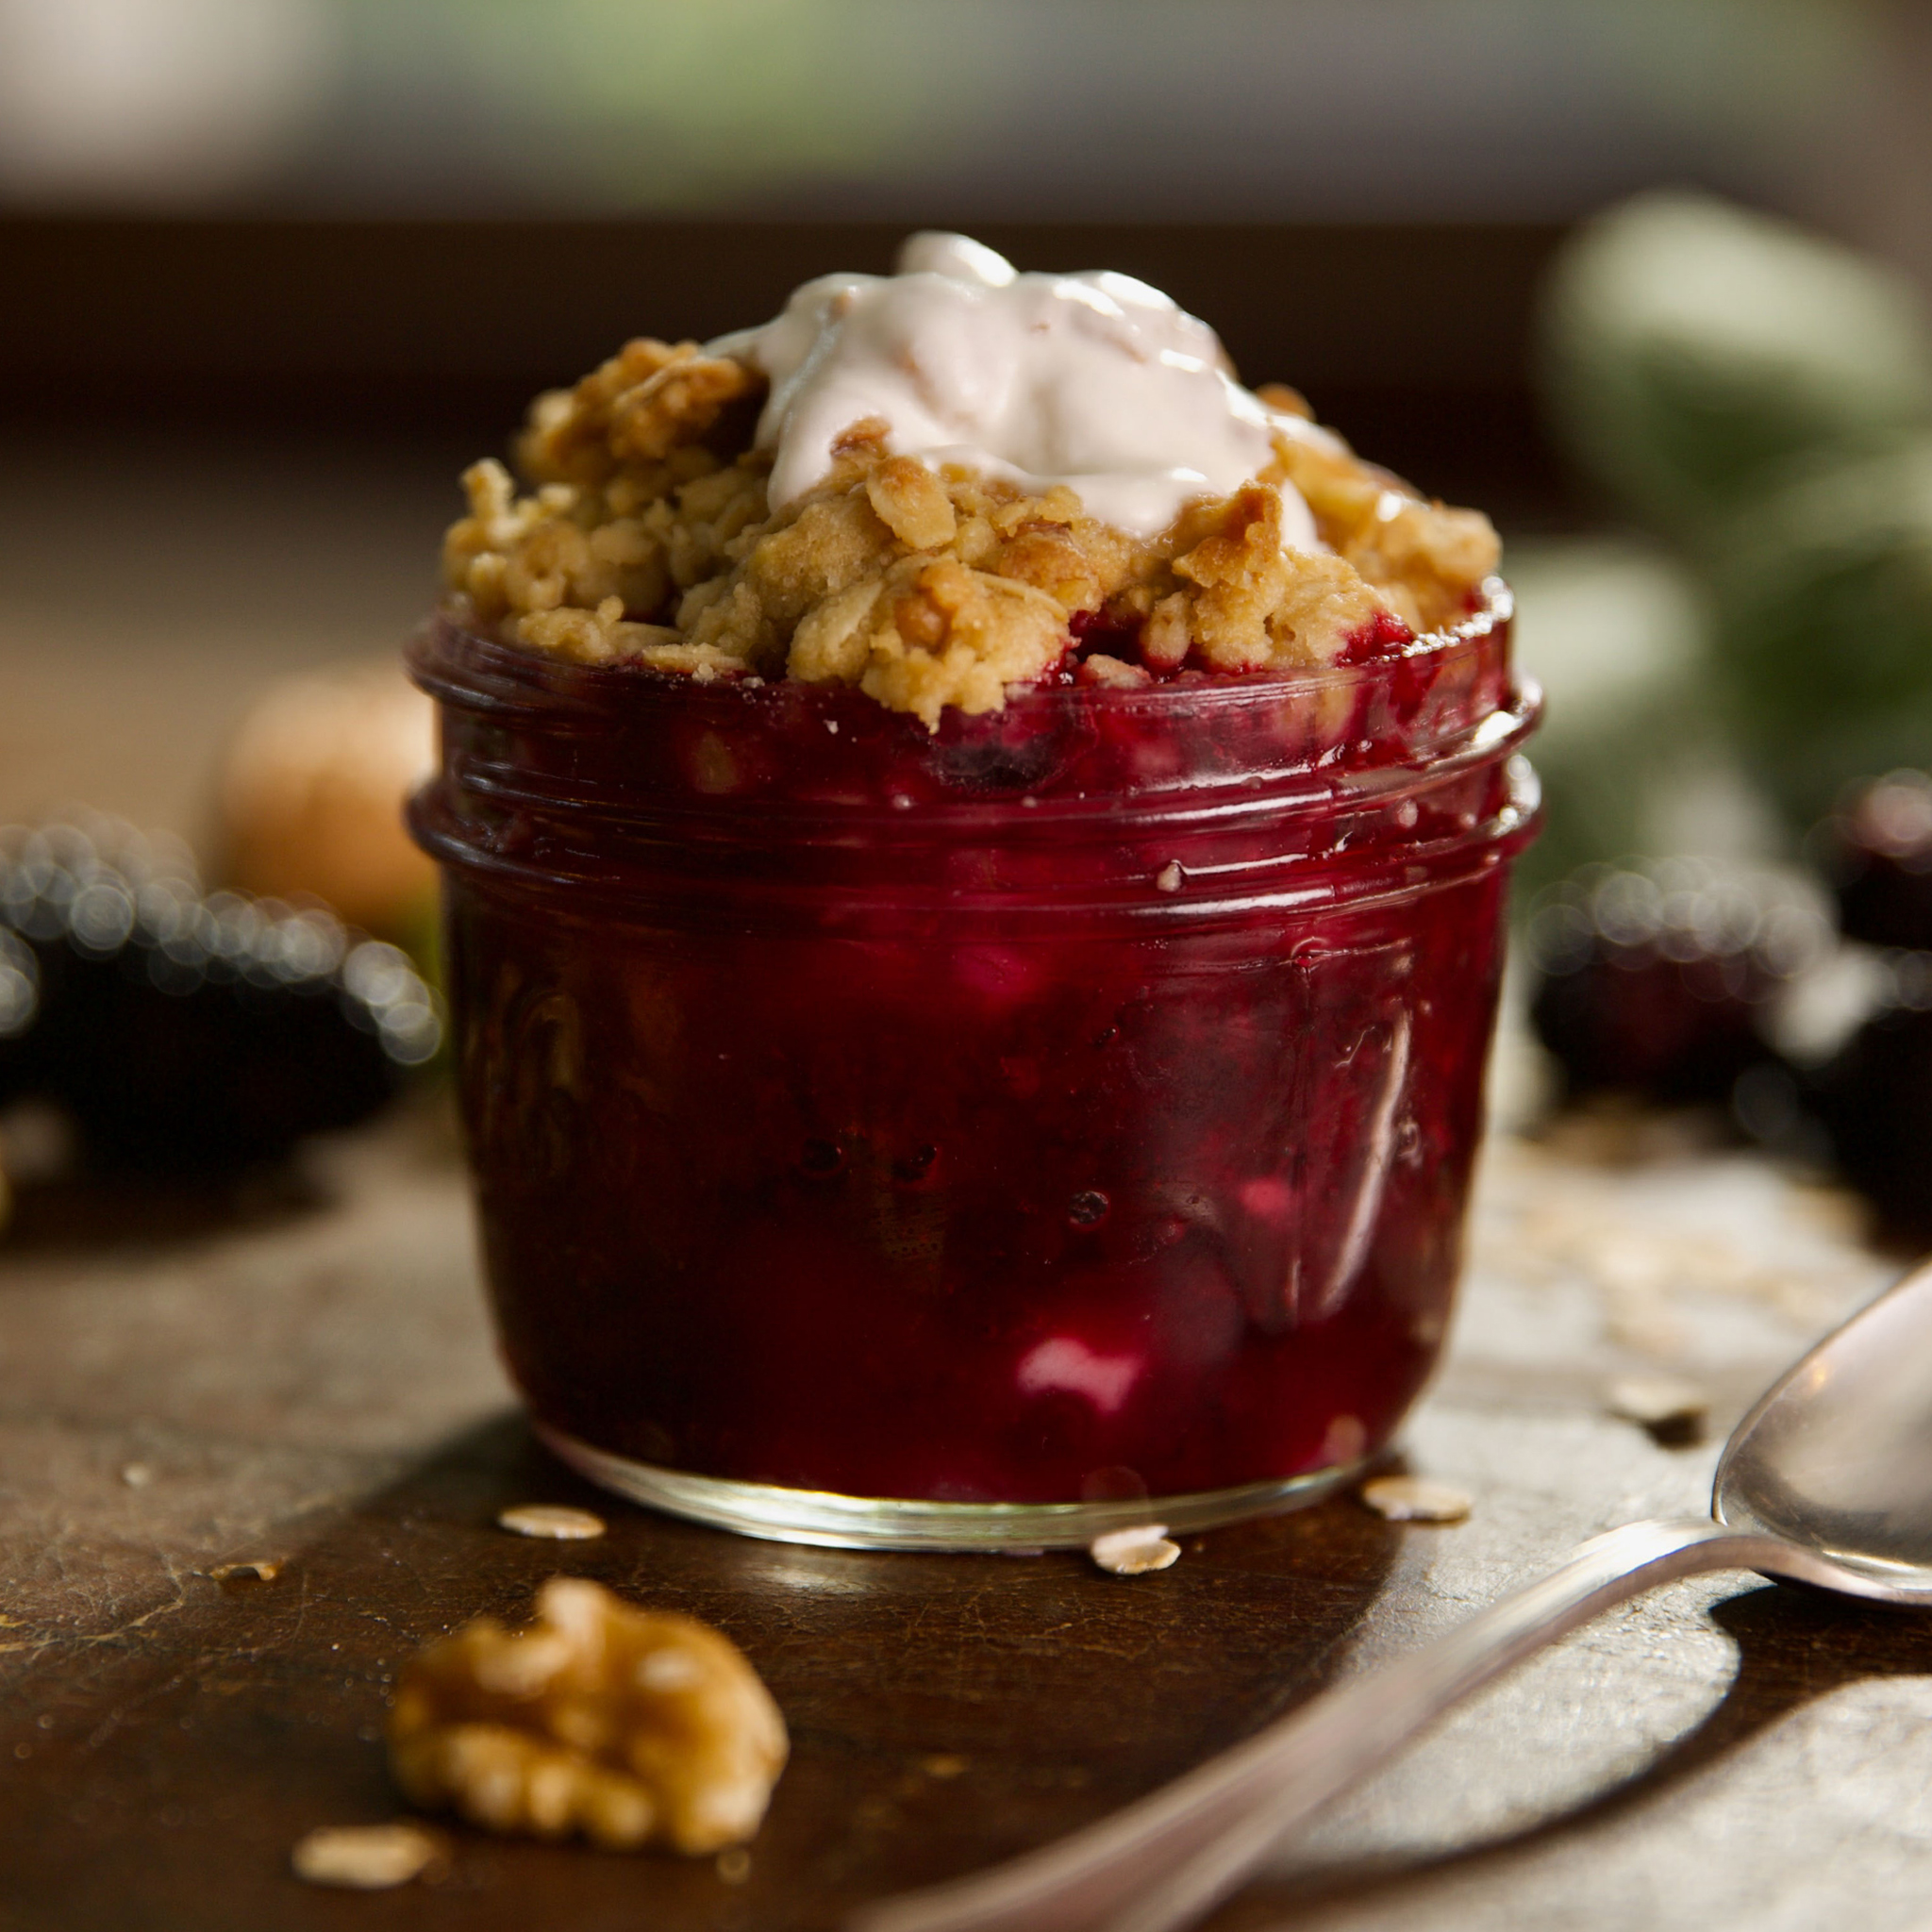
(1020,1174)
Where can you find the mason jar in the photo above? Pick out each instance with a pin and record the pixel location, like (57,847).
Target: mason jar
(980,1138)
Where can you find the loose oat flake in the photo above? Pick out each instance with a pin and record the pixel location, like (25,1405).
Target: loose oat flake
(1674,1410)
(367,1857)
(1415,1499)
(1134,1552)
(555,1520)
(255,1569)
(630,1726)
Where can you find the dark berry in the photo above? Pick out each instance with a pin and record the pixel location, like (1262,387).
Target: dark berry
(1873,1101)
(1087,1208)
(1877,850)
(820,1160)
(909,1169)
(19,1007)
(184,1031)
(1382,634)
(1658,982)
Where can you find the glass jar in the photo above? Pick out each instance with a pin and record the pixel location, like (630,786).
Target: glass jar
(979,1139)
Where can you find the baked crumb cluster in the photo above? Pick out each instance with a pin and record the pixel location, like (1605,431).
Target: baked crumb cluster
(630,1726)
(649,540)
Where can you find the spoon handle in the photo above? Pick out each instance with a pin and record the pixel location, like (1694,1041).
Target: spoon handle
(1169,1858)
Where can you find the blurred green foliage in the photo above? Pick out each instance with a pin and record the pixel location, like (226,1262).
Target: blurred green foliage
(688,103)
(1613,629)
(1761,400)
(1693,351)
(1824,595)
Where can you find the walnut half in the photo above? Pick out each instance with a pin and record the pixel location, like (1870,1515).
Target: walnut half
(631,1727)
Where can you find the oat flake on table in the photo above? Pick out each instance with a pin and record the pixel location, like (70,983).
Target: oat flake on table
(1135,1551)
(366,1857)
(557,1521)
(1416,1499)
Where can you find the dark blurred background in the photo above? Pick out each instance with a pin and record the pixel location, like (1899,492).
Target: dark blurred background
(275,269)
(1647,281)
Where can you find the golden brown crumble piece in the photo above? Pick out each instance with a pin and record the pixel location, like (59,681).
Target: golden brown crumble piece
(928,634)
(1425,558)
(630,1726)
(647,542)
(650,399)
(1285,400)
(913,503)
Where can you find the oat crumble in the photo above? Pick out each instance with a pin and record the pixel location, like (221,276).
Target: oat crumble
(647,539)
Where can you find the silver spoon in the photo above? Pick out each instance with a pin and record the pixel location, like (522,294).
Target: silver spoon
(1827,1481)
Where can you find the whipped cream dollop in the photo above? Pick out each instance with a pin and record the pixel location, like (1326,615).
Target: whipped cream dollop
(1096,381)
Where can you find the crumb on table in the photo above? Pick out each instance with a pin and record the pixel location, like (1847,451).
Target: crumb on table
(1415,1499)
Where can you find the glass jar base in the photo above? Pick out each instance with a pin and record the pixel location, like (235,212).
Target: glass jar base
(882,1523)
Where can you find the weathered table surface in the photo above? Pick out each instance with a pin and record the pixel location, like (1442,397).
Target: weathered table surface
(308,1377)
(312,1382)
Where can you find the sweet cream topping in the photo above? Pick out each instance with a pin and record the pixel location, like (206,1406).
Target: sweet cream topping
(1095,381)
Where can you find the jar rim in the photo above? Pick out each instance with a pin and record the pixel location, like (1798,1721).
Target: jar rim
(624,738)
(522,664)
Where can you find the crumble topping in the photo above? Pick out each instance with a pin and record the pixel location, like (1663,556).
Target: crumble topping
(631,1727)
(651,538)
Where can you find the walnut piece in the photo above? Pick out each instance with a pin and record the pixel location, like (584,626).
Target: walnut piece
(631,1727)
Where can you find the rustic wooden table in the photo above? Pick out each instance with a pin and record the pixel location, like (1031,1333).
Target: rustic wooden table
(307,1378)
(304,1375)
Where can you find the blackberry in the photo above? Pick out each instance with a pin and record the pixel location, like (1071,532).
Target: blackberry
(1872,1098)
(19,1007)
(185,1031)
(1877,850)
(1658,981)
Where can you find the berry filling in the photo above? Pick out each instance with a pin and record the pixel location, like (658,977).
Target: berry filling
(1080,1094)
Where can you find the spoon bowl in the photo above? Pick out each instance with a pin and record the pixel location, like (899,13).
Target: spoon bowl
(1826,1481)
(1835,1456)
